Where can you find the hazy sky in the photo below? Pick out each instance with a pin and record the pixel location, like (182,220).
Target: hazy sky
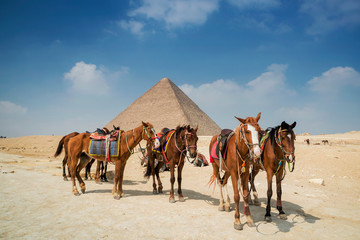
(74,65)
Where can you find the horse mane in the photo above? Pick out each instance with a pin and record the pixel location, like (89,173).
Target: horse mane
(181,128)
(284,126)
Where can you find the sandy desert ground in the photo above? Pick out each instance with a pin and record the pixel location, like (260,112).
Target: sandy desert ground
(35,202)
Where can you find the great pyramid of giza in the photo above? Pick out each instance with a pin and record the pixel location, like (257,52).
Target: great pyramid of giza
(165,105)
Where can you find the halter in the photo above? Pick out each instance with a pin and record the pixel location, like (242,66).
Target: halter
(187,147)
(150,139)
(279,143)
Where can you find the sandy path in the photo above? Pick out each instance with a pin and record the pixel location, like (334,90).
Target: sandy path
(36,203)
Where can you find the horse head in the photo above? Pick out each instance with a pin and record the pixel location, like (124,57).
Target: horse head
(150,135)
(250,132)
(188,139)
(286,140)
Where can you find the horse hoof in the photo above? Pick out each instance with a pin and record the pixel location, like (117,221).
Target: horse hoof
(65,179)
(76,194)
(116,197)
(282,216)
(122,194)
(160,191)
(83,190)
(238,226)
(221,208)
(250,202)
(268,219)
(181,199)
(227,209)
(251,224)
(154,191)
(172,200)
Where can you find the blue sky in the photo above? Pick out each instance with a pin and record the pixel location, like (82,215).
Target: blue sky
(74,65)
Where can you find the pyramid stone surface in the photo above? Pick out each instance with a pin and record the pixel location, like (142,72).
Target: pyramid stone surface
(165,105)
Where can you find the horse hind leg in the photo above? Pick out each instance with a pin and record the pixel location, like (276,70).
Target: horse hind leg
(227,204)
(64,161)
(84,160)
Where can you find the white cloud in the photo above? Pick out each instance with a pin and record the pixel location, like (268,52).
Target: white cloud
(330,15)
(255,4)
(176,13)
(8,108)
(222,99)
(334,80)
(135,27)
(87,78)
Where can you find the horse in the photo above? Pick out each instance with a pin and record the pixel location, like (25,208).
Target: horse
(242,149)
(277,150)
(78,148)
(63,144)
(177,144)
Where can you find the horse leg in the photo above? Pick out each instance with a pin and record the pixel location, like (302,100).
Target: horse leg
(172,181)
(227,204)
(84,160)
(269,175)
(121,177)
(235,180)
(88,168)
(102,171)
(64,161)
(152,166)
(97,174)
(282,214)
(105,171)
(73,164)
(160,186)
(115,191)
(245,186)
(256,201)
(179,179)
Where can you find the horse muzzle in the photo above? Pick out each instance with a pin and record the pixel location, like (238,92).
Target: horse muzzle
(192,151)
(290,158)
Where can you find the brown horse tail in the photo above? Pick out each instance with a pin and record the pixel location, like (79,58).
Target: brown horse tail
(60,146)
(212,180)
(62,141)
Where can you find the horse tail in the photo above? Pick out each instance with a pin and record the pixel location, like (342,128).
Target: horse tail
(148,171)
(60,147)
(62,141)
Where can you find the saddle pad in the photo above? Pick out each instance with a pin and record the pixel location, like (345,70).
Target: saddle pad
(213,154)
(97,148)
(167,139)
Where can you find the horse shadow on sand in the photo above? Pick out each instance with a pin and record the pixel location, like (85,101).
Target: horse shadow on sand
(110,182)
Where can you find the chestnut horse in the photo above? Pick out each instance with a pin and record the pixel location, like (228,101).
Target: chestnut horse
(78,148)
(278,149)
(182,140)
(243,148)
(63,143)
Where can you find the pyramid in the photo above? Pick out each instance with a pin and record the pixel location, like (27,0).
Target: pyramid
(165,105)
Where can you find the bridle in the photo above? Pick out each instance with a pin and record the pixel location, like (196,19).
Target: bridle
(279,143)
(187,147)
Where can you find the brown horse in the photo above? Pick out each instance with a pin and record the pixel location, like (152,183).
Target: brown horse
(180,141)
(78,148)
(63,144)
(243,148)
(278,149)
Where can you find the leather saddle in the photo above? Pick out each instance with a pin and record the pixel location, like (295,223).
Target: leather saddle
(223,141)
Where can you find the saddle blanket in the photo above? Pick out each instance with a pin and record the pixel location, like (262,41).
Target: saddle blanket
(97,148)
(168,136)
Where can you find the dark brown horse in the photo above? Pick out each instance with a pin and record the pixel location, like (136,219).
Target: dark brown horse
(278,149)
(78,148)
(243,148)
(177,144)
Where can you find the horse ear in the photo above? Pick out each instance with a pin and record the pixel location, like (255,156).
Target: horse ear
(196,128)
(240,119)
(145,124)
(258,116)
(283,125)
(293,125)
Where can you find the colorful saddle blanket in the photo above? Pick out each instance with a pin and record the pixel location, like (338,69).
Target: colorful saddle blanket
(164,145)
(264,138)
(99,145)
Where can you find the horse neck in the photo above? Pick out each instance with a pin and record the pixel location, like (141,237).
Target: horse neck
(134,140)
(176,143)
(275,147)
(240,142)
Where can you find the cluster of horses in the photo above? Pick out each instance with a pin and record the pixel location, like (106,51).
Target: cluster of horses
(243,160)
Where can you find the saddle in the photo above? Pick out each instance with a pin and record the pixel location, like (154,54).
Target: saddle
(102,134)
(221,144)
